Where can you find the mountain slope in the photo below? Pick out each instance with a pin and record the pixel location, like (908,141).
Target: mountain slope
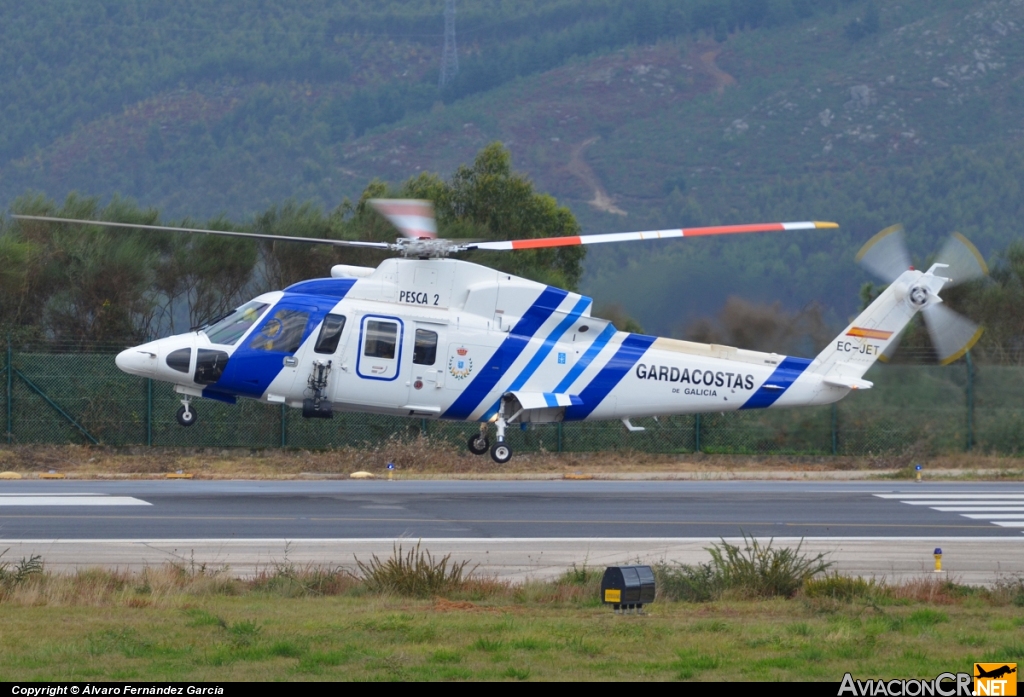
(806,113)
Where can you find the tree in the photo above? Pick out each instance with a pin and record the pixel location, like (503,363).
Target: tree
(488,200)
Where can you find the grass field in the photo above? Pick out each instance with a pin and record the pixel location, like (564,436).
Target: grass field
(371,638)
(197,624)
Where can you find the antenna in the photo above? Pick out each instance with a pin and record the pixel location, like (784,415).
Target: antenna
(450,56)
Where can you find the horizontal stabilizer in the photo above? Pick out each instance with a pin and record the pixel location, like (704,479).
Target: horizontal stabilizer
(850,383)
(545,400)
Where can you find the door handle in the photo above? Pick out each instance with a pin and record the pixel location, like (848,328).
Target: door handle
(291,361)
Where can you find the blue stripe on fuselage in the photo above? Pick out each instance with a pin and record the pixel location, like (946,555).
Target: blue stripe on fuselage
(542,353)
(549,343)
(249,371)
(785,375)
(630,351)
(588,356)
(506,355)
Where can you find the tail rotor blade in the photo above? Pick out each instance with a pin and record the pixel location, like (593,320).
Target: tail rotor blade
(952,334)
(964,260)
(890,350)
(885,255)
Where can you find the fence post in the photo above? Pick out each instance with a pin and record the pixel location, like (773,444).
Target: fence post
(284,425)
(423,427)
(835,433)
(559,437)
(10,392)
(696,433)
(970,402)
(149,412)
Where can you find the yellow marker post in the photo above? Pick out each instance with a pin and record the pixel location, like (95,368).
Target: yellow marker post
(938,560)
(391,471)
(918,468)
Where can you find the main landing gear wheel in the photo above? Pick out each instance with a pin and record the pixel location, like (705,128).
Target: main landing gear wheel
(479,444)
(501,453)
(186,415)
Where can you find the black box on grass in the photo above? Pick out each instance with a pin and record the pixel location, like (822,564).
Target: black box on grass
(627,587)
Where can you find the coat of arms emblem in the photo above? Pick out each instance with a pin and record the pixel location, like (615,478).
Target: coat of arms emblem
(460,365)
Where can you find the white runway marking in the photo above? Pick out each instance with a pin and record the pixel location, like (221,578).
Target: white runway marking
(962,502)
(70,500)
(979,509)
(951,494)
(1004,510)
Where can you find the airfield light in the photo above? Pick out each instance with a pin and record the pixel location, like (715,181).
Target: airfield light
(938,560)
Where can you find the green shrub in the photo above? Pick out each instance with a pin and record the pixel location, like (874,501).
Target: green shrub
(1009,591)
(580,576)
(699,583)
(753,571)
(414,573)
(20,572)
(839,587)
(763,571)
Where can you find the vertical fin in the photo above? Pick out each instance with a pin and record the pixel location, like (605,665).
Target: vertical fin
(878,327)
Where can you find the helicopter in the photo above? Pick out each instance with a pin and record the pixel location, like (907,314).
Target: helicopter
(426,336)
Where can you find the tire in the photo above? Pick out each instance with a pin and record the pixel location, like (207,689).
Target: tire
(479,444)
(186,418)
(501,453)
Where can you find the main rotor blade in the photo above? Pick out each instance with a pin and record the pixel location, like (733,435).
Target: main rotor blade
(964,260)
(225,233)
(544,242)
(414,218)
(952,334)
(885,254)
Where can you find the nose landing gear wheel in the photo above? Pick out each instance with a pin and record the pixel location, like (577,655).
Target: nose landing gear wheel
(501,453)
(479,444)
(186,417)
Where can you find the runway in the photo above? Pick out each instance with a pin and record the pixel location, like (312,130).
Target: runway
(514,529)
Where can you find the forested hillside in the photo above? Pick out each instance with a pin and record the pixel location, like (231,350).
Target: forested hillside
(86,285)
(638,115)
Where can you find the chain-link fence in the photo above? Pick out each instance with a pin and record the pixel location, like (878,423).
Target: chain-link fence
(51,395)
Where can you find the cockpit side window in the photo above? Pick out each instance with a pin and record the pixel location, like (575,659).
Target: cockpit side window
(282,332)
(381,339)
(230,329)
(330,334)
(425,350)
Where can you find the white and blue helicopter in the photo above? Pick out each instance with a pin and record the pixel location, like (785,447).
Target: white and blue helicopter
(427,336)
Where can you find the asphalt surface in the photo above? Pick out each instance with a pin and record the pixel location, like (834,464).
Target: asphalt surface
(471,509)
(514,530)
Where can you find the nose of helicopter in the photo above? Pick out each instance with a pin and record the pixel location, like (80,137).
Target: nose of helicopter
(138,360)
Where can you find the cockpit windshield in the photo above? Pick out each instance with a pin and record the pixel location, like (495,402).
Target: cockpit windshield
(230,329)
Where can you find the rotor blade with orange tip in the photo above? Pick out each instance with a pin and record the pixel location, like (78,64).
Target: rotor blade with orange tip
(544,242)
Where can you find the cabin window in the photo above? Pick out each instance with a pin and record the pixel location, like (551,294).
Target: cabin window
(210,366)
(282,332)
(180,360)
(425,351)
(381,339)
(230,329)
(330,334)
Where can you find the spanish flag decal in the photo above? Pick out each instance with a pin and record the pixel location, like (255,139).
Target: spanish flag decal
(869,333)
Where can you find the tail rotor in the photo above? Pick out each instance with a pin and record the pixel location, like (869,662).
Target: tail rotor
(952,335)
